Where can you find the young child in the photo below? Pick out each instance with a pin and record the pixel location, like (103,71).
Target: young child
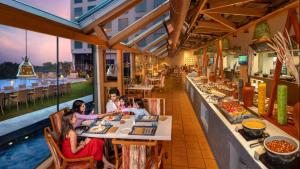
(123,104)
(79,109)
(113,102)
(89,147)
(138,108)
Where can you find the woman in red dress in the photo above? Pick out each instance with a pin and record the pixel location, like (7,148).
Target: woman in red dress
(88,147)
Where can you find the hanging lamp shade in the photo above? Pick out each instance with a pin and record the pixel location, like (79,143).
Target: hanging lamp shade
(225,44)
(262,32)
(26,69)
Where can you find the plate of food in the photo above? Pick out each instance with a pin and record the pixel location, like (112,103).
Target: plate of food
(147,119)
(97,129)
(125,130)
(113,117)
(87,122)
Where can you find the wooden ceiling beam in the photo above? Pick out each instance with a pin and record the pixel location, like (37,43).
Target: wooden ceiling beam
(100,33)
(221,20)
(241,11)
(140,23)
(111,15)
(225,3)
(211,25)
(200,30)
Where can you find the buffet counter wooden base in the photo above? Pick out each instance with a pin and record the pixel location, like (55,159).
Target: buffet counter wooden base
(230,149)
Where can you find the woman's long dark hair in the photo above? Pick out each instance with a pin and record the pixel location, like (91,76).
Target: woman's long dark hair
(66,125)
(125,99)
(76,106)
(140,103)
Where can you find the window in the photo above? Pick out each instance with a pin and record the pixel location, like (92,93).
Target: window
(158,2)
(142,43)
(77,45)
(77,1)
(91,0)
(77,12)
(90,7)
(90,46)
(122,23)
(137,18)
(107,26)
(141,7)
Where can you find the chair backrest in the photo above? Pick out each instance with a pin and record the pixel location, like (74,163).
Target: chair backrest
(155,106)
(55,120)
(34,84)
(54,149)
(22,95)
(22,86)
(2,95)
(8,88)
(134,153)
(38,91)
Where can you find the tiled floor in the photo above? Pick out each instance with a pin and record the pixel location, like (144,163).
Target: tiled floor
(189,148)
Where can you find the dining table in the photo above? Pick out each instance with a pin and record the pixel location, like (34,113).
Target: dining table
(141,87)
(122,130)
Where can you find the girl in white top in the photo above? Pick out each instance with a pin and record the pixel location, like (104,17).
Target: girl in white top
(113,102)
(138,108)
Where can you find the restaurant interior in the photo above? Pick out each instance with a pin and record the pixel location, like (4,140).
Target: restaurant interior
(219,89)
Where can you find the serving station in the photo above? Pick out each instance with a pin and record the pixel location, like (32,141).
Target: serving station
(231,147)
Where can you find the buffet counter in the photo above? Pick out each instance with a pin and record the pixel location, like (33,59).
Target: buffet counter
(230,148)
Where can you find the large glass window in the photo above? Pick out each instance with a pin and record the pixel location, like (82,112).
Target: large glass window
(77,45)
(122,23)
(90,7)
(158,2)
(91,0)
(141,7)
(77,1)
(78,12)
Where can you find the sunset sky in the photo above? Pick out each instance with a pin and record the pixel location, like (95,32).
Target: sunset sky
(41,47)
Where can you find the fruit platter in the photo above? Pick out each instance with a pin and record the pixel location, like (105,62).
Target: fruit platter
(234,111)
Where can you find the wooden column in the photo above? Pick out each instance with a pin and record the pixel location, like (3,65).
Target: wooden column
(216,65)
(120,69)
(220,50)
(291,21)
(205,60)
(101,76)
(132,66)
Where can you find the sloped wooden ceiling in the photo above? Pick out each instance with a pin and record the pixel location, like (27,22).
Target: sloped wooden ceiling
(211,19)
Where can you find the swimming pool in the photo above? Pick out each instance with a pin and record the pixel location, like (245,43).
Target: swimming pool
(28,82)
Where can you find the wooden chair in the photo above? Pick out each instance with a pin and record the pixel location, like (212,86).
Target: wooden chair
(155,106)
(19,97)
(68,88)
(37,93)
(22,86)
(8,88)
(55,120)
(52,90)
(62,89)
(2,98)
(147,154)
(60,161)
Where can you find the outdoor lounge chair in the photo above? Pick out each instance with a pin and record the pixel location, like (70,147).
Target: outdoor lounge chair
(52,90)
(61,162)
(37,93)
(2,96)
(19,97)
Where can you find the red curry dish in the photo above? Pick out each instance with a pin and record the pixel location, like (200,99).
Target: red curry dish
(280,146)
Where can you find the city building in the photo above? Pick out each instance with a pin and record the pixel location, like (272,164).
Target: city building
(82,52)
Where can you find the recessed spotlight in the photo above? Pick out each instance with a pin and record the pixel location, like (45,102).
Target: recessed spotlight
(10,143)
(26,137)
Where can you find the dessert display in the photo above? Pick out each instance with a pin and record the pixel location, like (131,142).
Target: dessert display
(234,111)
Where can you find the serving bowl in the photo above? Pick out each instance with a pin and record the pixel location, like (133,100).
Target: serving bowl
(282,157)
(254,131)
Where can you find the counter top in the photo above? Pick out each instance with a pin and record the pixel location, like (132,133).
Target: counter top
(270,129)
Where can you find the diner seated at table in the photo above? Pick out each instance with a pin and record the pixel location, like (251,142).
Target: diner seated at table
(113,102)
(86,148)
(138,108)
(79,109)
